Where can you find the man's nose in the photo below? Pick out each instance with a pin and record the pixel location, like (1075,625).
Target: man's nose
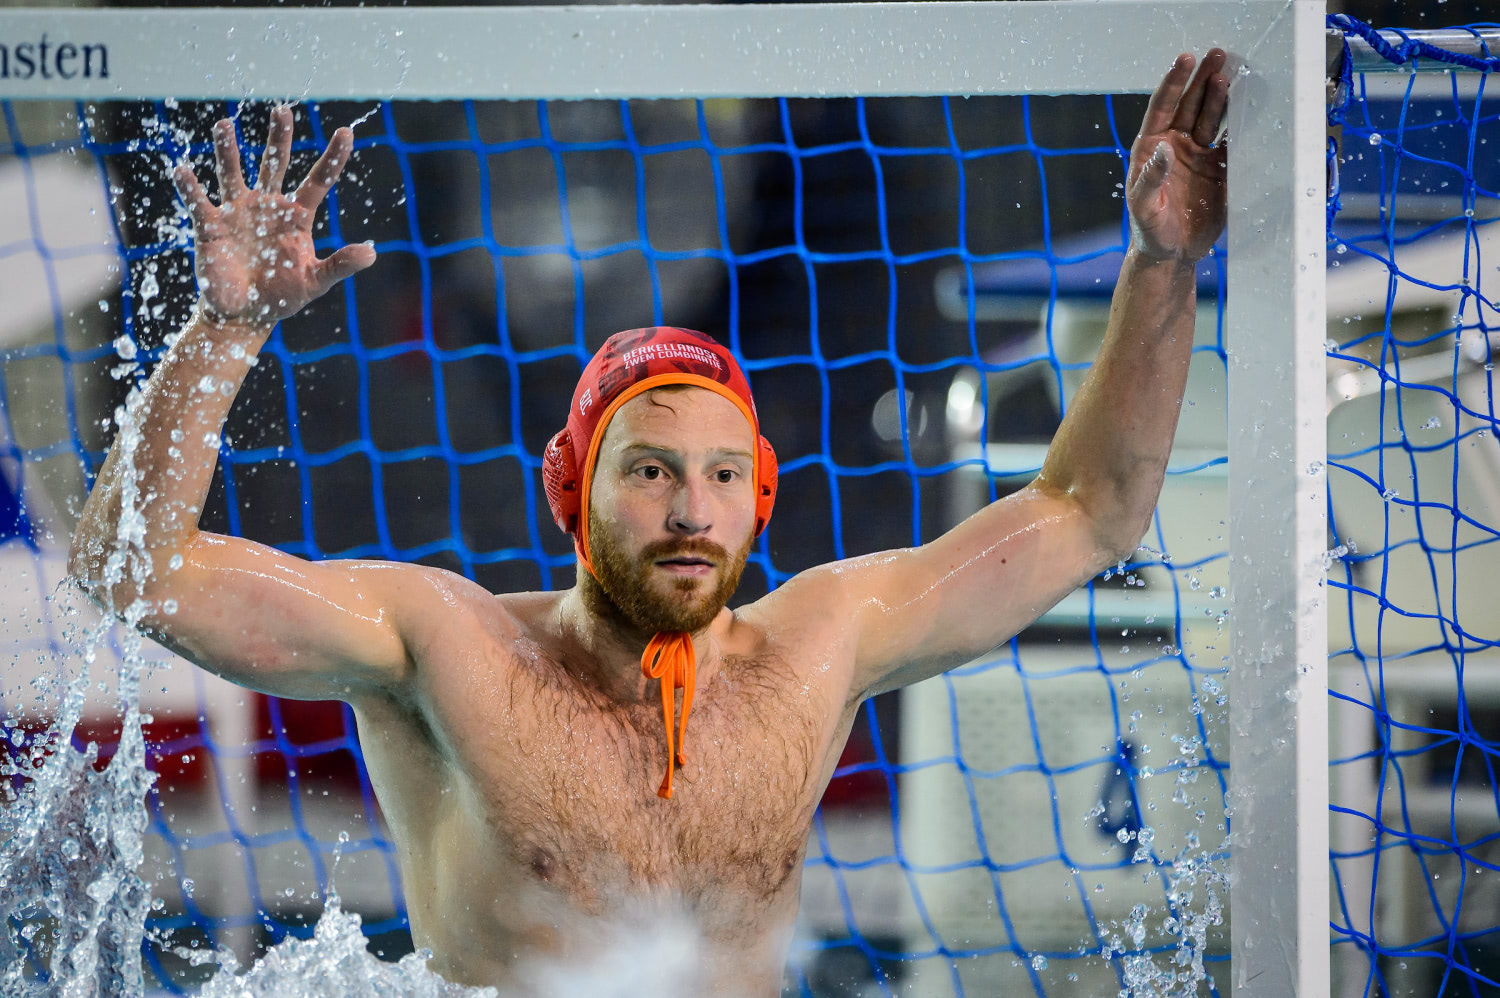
(690,513)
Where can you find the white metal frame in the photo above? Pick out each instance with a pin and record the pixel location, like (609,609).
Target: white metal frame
(1275,310)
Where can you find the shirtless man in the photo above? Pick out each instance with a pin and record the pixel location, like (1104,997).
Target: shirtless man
(517,747)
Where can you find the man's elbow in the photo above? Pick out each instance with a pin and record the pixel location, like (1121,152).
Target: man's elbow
(1116,551)
(107,580)
(1120,509)
(1116,527)
(1118,537)
(1115,515)
(84,556)
(93,539)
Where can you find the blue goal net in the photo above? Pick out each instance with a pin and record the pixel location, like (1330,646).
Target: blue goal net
(1413,516)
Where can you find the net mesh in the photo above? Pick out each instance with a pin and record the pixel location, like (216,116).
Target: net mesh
(915,287)
(1413,461)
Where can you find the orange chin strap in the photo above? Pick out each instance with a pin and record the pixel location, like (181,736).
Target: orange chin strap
(669,656)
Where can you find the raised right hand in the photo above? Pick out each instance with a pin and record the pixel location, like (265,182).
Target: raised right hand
(1175,187)
(255,260)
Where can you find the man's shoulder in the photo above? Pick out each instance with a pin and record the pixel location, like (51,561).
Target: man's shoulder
(530,614)
(441,607)
(805,613)
(457,631)
(819,594)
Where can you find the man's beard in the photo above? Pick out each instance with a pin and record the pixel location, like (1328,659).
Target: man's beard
(626,582)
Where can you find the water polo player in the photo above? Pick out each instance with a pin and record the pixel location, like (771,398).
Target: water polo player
(550,762)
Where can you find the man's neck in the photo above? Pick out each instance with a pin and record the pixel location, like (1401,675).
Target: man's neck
(609,647)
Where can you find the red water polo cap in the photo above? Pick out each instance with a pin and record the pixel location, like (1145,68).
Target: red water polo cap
(628,364)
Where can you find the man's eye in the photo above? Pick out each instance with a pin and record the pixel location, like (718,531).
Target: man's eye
(726,475)
(649,472)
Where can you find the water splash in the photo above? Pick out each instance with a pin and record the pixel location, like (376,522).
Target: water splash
(334,963)
(1161,947)
(1196,885)
(73,835)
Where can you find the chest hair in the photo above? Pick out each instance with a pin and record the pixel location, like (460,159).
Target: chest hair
(578,798)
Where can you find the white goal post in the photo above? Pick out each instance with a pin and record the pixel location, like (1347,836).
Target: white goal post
(1275,310)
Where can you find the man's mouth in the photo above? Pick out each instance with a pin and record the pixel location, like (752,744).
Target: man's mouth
(686,565)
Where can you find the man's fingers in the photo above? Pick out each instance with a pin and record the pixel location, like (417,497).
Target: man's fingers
(200,209)
(1164,101)
(344,262)
(325,171)
(227,161)
(1191,103)
(278,151)
(1211,115)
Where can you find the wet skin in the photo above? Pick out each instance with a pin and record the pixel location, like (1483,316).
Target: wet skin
(514,744)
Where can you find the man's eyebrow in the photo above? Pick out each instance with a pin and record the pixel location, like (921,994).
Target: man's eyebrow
(734,452)
(655,450)
(651,449)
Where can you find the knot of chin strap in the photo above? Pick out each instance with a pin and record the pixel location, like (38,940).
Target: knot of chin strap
(669,656)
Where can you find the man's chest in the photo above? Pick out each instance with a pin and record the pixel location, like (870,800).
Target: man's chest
(568,780)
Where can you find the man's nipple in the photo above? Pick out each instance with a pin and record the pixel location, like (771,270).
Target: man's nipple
(543,864)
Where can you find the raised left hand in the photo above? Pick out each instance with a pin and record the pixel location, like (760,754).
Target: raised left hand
(1175,187)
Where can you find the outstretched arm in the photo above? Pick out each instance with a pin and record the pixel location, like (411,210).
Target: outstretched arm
(924,610)
(251,613)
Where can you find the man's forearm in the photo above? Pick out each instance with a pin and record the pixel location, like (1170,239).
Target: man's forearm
(179,418)
(1111,451)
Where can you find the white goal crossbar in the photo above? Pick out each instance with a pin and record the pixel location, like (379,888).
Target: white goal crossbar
(1275,308)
